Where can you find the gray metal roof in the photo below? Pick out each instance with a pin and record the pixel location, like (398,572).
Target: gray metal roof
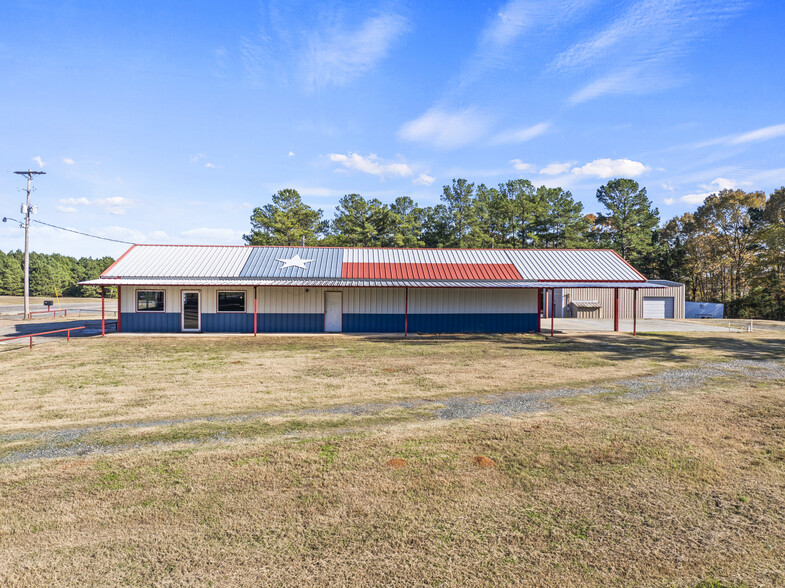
(264,262)
(354,283)
(572,264)
(582,267)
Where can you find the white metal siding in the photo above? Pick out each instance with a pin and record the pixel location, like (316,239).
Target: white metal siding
(605,297)
(471,301)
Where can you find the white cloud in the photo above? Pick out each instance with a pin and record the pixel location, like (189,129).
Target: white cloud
(65,209)
(114,204)
(291,153)
(38,160)
(669,201)
(522,135)
(446,129)
(424,180)
(197,157)
(634,53)
(763,134)
(695,198)
(607,168)
(521,166)
(210,165)
(371,165)
(73,201)
(553,169)
(214,235)
(68,161)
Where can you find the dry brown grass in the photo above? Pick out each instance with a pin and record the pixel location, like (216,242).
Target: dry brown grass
(671,489)
(96,381)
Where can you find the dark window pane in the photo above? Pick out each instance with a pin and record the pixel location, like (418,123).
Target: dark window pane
(150,300)
(231,301)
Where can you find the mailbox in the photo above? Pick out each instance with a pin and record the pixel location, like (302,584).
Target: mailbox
(48,303)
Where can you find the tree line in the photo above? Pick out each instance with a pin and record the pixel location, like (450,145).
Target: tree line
(730,250)
(50,273)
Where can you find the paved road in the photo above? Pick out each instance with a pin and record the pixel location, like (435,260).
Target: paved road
(92,306)
(567,325)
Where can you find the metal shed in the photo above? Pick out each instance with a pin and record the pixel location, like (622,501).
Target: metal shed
(666,300)
(248,289)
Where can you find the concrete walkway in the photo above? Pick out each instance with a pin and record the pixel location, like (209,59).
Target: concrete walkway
(576,325)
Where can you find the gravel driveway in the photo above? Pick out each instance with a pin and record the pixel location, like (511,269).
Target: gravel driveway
(72,441)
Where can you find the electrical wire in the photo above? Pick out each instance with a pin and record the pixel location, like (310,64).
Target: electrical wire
(73,231)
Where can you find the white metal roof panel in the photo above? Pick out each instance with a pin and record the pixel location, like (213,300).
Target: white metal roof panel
(171,261)
(572,264)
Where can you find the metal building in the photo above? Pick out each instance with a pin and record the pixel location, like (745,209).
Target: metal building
(247,289)
(665,301)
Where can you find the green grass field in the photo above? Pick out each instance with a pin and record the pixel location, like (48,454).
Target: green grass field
(449,461)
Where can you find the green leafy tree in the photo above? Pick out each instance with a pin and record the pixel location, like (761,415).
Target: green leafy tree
(408,222)
(286,221)
(559,221)
(524,206)
(459,202)
(437,227)
(362,223)
(629,220)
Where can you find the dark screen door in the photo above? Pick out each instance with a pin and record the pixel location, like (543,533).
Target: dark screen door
(191,314)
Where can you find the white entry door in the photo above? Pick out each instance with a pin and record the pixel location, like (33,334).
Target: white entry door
(191,312)
(333,312)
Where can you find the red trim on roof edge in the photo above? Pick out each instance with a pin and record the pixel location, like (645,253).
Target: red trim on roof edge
(616,253)
(116,261)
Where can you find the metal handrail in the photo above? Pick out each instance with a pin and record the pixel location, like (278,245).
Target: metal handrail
(31,335)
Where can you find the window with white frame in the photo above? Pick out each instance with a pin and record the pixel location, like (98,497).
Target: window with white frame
(149,300)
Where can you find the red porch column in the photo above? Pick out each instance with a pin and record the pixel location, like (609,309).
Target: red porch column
(616,309)
(103,313)
(119,308)
(539,310)
(634,312)
(406,313)
(553,308)
(254,311)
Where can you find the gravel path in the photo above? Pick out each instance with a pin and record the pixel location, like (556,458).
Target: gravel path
(72,442)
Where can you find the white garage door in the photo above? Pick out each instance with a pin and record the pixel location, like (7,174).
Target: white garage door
(658,307)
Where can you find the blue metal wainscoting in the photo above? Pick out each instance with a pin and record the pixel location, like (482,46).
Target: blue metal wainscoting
(160,322)
(150,322)
(289,323)
(227,322)
(473,323)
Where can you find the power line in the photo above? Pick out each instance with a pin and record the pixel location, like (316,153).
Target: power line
(73,231)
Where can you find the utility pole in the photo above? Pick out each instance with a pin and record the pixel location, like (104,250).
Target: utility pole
(27,210)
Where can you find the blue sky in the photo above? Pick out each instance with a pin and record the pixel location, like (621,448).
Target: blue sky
(167,122)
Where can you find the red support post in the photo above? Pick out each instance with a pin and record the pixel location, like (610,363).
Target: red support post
(553,308)
(254,310)
(31,342)
(616,309)
(119,305)
(539,310)
(103,314)
(634,312)
(406,313)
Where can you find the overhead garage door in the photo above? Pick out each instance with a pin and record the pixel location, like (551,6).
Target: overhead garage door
(658,307)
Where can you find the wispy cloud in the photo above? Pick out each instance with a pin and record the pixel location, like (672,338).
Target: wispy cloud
(424,180)
(447,129)
(521,135)
(711,188)
(634,52)
(210,235)
(521,166)
(371,165)
(325,48)
(112,205)
(68,161)
(38,160)
(556,168)
(609,168)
